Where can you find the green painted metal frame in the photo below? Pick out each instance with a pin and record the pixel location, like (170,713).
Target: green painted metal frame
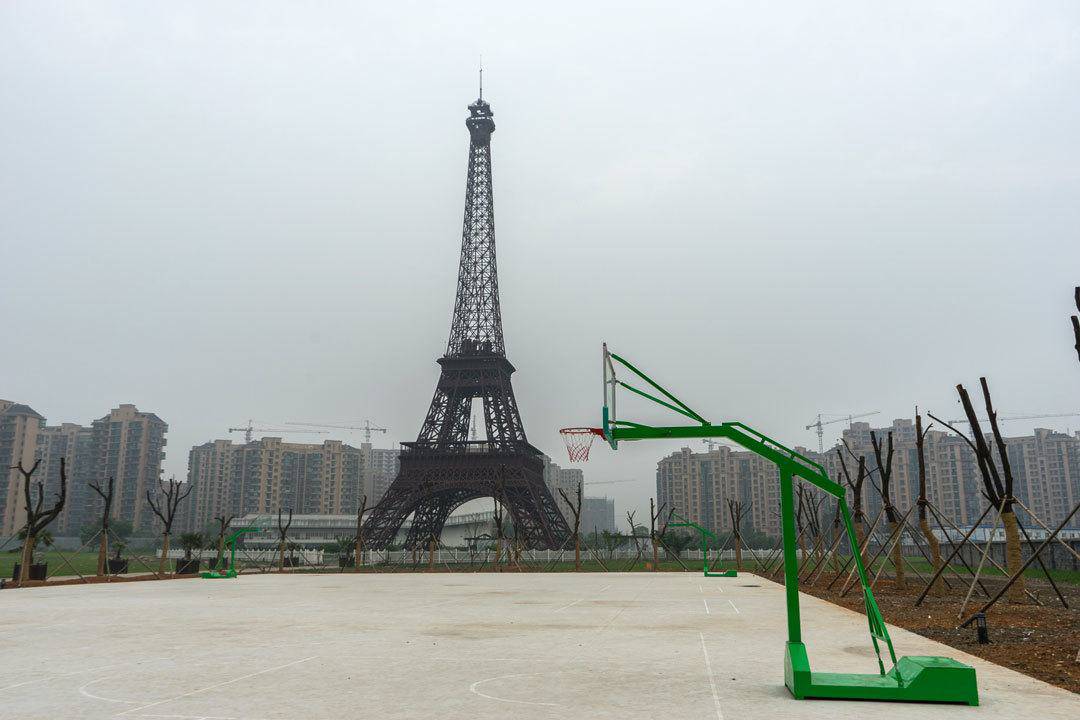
(705,535)
(231,542)
(911,679)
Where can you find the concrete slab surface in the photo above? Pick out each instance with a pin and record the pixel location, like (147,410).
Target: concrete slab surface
(475,646)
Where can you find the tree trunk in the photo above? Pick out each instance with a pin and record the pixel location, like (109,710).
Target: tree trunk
(27,558)
(577,552)
(898,553)
(1013,557)
(498,552)
(431,555)
(163,563)
(655,556)
(281,556)
(935,552)
(860,538)
(359,553)
(103,552)
(220,551)
(738,553)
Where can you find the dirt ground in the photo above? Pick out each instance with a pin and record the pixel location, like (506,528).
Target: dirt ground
(1040,641)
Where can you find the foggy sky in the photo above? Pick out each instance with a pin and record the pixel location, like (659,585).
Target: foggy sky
(219,211)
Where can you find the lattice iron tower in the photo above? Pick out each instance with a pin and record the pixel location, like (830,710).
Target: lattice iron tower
(444,468)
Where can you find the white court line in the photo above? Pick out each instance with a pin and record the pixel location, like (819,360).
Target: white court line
(734,608)
(572,604)
(606,587)
(706,606)
(712,682)
(86,693)
(62,675)
(472,688)
(217,685)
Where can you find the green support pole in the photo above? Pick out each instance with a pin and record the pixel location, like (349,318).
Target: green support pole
(231,572)
(705,535)
(791,559)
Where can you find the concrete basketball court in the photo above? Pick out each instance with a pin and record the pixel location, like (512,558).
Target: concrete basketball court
(325,647)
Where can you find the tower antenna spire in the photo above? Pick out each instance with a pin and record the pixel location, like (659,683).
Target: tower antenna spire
(481,77)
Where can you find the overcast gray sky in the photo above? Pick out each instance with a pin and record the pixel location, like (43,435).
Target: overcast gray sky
(228,210)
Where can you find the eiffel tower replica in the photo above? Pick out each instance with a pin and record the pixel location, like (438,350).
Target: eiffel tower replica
(444,468)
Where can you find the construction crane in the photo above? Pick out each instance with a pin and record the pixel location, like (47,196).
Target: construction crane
(250,428)
(609,482)
(367,427)
(1021,417)
(820,423)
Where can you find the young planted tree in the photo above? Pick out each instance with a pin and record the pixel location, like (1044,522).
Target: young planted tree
(174,492)
(575,510)
(37,518)
(654,539)
(283,536)
(103,544)
(737,512)
(800,512)
(885,469)
(998,486)
(924,502)
(190,542)
(223,522)
(359,539)
(858,517)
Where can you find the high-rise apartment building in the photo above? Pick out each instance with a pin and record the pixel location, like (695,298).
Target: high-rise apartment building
(597,515)
(380,469)
(128,446)
(1045,465)
(75,444)
(125,444)
(268,474)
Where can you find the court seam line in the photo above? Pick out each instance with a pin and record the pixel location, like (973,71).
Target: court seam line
(712,681)
(734,608)
(216,685)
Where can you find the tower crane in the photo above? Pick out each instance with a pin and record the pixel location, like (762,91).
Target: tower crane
(609,482)
(250,428)
(367,427)
(820,423)
(1022,417)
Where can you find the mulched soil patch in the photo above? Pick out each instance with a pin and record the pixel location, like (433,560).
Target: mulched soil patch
(1040,641)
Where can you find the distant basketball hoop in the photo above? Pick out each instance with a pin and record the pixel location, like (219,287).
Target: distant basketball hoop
(578,441)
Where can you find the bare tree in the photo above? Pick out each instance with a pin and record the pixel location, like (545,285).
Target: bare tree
(923,502)
(166,511)
(103,544)
(858,518)
(223,525)
(283,534)
(999,487)
(738,513)
(360,532)
(891,516)
(37,518)
(575,509)
(653,515)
